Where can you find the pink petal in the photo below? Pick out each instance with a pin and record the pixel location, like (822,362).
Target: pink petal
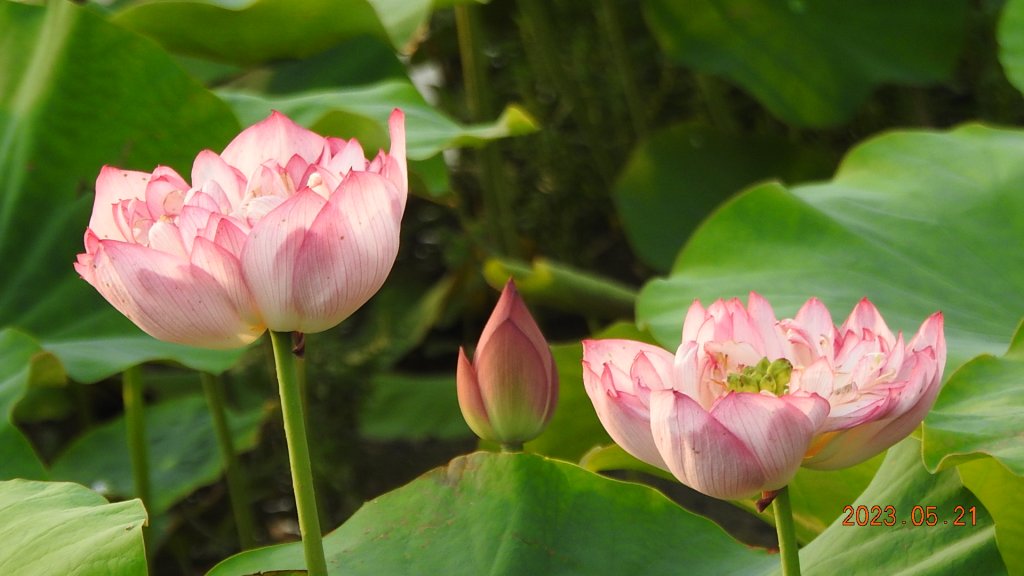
(347,254)
(766,324)
(471,403)
(274,139)
(223,266)
(818,378)
(700,451)
(622,354)
(695,317)
(625,417)
(394,168)
(167,298)
(776,430)
(513,381)
(270,259)
(644,372)
(866,317)
(113,186)
(210,169)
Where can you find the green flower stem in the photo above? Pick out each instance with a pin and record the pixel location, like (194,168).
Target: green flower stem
(237,490)
(135,422)
(298,453)
(788,550)
(511,446)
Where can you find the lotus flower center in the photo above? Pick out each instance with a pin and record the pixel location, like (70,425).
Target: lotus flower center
(766,375)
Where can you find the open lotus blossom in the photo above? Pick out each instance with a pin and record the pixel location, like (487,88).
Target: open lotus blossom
(747,398)
(508,393)
(285,230)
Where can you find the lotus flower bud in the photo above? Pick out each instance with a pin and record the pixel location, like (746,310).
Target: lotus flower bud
(509,391)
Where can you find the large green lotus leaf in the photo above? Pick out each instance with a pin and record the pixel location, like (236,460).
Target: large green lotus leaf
(812,62)
(1002,493)
(183,453)
(19,353)
(428,132)
(916,221)
(77,93)
(64,528)
(980,413)
(514,514)
(253,31)
(682,173)
(944,548)
(1011,42)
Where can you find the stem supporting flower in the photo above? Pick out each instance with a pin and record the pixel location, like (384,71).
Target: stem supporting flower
(298,453)
(788,550)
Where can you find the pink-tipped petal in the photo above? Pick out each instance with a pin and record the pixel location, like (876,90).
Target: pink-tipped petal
(777,431)
(700,451)
(695,317)
(347,254)
(866,317)
(512,379)
(274,139)
(271,255)
(167,298)
(470,401)
(112,187)
(625,416)
(210,169)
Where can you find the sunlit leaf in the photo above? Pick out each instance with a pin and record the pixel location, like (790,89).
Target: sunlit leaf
(916,221)
(77,93)
(1002,493)
(979,413)
(332,112)
(63,528)
(909,546)
(253,31)
(518,514)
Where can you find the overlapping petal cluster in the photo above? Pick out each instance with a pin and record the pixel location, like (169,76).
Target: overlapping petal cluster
(509,391)
(284,229)
(823,396)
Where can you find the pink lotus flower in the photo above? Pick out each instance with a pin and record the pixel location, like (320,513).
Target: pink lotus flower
(509,392)
(746,398)
(284,230)
(879,388)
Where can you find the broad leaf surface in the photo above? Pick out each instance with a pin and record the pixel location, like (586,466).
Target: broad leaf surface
(77,93)
(18,354)
(183,451)
(253,31)
(1002,493)
(980,413)
(514,514)
(812,62)
(944,548)
(64,528)
(332,112)
(680,174)
(916,221)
